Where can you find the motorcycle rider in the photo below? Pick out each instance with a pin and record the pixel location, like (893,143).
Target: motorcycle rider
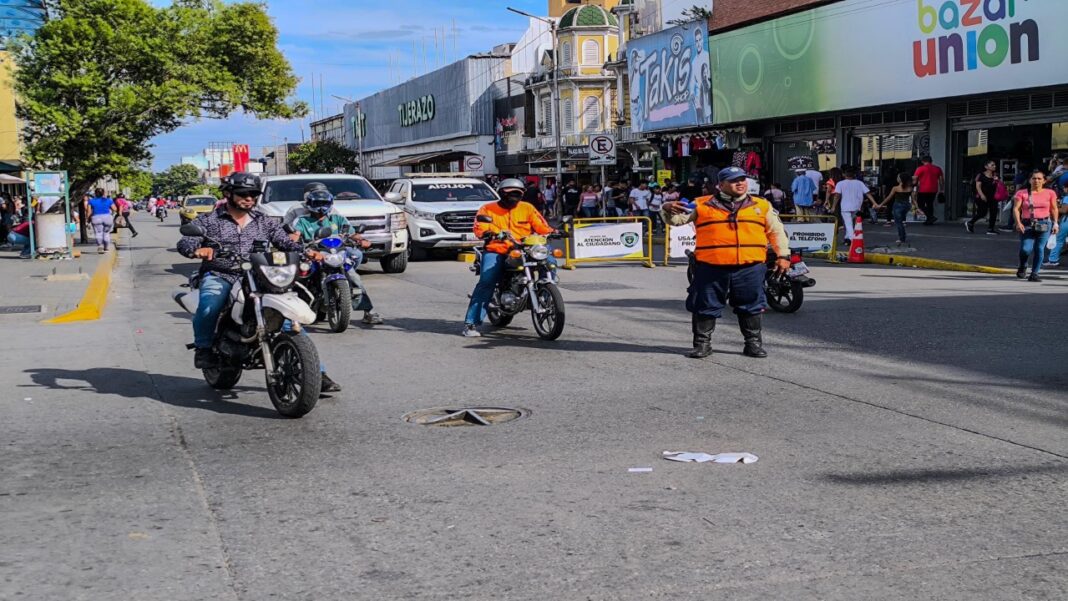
(320,213)
(509,214)
(235,225)
(734,230)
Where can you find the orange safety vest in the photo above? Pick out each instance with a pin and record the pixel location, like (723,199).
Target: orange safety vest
(521,221)
(726,238)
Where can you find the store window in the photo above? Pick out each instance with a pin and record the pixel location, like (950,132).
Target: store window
(881,158)
(591,52)
(591,114)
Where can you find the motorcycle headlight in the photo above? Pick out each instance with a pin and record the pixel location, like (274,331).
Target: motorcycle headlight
(279,276)
(539,252)
(398,222)
(334,260)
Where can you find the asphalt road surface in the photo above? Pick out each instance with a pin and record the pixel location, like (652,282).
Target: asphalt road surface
(910,427)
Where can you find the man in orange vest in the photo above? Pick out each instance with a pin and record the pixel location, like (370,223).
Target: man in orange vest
(734,231)
(509,214)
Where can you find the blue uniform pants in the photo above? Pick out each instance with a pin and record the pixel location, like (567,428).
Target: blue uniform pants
(716,286)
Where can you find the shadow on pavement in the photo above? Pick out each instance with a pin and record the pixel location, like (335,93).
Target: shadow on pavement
(177,391)
(934,476)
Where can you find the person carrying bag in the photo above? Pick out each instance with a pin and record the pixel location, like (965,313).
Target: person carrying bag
(1035,213)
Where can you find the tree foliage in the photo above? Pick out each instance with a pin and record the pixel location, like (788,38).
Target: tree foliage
(177,180)
(136,183)
(694,13)
(102,78)
(326,156)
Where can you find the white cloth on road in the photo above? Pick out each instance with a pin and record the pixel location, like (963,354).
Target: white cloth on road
(688,457)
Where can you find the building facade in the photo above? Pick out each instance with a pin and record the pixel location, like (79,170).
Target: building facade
(329,129)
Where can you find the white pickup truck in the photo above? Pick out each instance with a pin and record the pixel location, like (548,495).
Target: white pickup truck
(385,224)
(441,210)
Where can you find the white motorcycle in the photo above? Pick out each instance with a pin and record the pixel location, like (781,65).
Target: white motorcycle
(259,329)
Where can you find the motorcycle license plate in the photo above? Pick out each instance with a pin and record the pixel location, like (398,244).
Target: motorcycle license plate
(470,237)
(798,270)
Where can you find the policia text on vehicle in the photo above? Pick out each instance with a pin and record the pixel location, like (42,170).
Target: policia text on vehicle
(734,231)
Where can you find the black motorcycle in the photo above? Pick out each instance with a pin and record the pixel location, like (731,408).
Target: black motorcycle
(161,213)
(325,285)
(786,291)
(252,332)
(529,282)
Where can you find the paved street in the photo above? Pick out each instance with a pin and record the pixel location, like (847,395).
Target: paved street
(910,427)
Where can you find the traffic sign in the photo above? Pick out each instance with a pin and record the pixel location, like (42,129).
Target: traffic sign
(603,149)
(474,163)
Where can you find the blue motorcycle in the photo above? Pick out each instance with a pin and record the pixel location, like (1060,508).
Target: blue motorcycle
(325,285)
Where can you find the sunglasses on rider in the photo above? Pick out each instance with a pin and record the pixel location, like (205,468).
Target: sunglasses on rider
(247,193)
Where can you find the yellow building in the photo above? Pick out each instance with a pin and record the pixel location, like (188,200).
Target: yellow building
(10,149)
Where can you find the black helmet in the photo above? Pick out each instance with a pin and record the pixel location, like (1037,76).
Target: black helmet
(241,182)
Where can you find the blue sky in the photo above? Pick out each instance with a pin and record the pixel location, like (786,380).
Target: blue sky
(349,43)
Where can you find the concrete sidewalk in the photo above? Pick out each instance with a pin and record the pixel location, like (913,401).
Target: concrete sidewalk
(947,242)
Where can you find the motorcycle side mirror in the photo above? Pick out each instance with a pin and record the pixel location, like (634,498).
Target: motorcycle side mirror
(324,232)
(484,219)
(193,230)
(566,219)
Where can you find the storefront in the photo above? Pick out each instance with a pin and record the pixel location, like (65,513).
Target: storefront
(440,122)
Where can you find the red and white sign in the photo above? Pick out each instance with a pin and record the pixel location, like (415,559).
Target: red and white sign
(474,163)
(240,157)
(602,149)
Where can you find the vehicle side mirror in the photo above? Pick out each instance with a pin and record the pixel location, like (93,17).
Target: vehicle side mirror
(193,230)
(484,219)
(394,198)
(324,232)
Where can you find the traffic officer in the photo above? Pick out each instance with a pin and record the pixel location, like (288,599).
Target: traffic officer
(734,231)
(509,214)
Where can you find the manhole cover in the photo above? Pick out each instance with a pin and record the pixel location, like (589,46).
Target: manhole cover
(465,416)
(12,309)
(594,286)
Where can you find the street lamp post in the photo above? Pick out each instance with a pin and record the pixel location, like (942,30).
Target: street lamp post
(555,74)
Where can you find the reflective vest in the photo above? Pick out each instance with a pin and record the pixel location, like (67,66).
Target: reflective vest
(521,221)
(726,238)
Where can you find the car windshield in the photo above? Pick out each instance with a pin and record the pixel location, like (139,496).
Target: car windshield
(469,192)
(201,201)
(290,190)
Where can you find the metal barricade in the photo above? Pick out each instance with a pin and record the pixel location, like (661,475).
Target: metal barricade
(786,219)
(645,259)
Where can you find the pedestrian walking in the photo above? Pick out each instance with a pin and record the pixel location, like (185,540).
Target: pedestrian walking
(849,196)
(1035,212)
(551,198)
(903,196)
(572,195)
(803,189)
(930,182)
(734,231)
(620,199)
(588,203)
(655,203)
(639,200)
(102,216)
(777,197)
(534,196)
(986,203)
(123,207)
(1060,188)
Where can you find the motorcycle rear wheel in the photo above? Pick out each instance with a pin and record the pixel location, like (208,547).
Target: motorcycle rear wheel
(550,324)
(296,388)
(339,305)
(784,298)
(222,378)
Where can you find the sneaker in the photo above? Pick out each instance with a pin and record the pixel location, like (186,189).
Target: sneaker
(968,225)
(1049,264)
(134,235)
(1034,278)
(329,385)
(205,358)
(470,331)
(1021,272)
(371,318)
(100,250)
(993,233)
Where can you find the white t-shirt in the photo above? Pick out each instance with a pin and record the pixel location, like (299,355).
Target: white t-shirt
(815,176)
(641,198)
(852,191)
(656,202)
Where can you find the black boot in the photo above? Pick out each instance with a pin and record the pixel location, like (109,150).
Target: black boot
(329,385)
(702,336)
(205,358)
(754,342)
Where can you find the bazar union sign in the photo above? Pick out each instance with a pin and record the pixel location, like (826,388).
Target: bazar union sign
(417,111)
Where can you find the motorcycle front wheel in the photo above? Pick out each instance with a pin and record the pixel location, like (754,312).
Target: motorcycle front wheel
(222,378)
(339,305)
(550,324)
(298,382)
(784,297)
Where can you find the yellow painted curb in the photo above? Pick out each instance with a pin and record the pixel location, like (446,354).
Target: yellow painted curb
(920,262)
(95,297)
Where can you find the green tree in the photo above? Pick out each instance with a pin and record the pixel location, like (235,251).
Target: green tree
(177,180)
(689,15)
(137,183)
(326,156)
(101,78)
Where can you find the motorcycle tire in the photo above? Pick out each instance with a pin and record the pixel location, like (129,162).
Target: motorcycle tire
(549,325)
(296,389)
(496,318)
(222,378)
(784,298)
(339,305)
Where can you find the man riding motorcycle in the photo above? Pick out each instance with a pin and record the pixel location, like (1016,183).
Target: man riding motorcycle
(509,214)
(319,213)
(236,225)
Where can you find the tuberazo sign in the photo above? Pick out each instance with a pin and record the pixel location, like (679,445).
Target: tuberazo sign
(417,111)
(670,78)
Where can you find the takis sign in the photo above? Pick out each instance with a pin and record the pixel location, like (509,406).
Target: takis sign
(416,111)
(969,34)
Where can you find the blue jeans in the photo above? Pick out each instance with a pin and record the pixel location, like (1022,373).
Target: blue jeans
(493,266)
(19,240)
(715,287)
(1033,247)
(900,211)
(360,300)
(589,212)
(1062,235)
(214,294)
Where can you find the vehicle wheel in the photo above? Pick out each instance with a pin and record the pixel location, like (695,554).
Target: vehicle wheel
(496,318)
(417,253)
(395,263)
(296,389)
(339,307)
(784,297)
(550,324)
(222,378)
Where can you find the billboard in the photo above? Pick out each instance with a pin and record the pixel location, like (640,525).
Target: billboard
(857,53)
(240,154)
(670,82)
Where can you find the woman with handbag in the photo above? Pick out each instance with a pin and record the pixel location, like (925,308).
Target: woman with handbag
(1035,213)
(986,199)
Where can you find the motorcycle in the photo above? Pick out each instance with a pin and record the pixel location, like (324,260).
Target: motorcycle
(529,281)
(325,285)
(252,332)
(161,213)
(786,291)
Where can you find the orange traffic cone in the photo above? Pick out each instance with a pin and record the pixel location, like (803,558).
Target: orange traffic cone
(856,246)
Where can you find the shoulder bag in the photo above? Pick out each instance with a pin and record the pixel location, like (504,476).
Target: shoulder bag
(1038,226)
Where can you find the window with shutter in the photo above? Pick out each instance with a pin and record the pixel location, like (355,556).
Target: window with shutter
(591,114)
(568,116)
(591,52)
(565,54)
(545,119)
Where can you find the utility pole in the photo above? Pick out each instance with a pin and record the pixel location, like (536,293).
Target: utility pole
(555,74)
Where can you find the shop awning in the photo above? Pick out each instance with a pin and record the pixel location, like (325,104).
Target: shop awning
(10,179)
(429,157)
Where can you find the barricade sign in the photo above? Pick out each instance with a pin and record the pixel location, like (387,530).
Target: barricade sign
(681,239)
(607,239)
(812,233)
